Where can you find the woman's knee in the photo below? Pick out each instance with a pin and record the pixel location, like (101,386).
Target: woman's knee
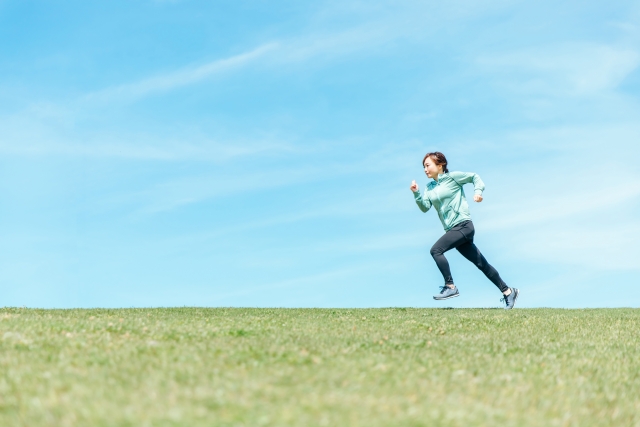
(436,251)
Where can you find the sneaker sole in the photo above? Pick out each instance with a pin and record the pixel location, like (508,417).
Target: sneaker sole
(449,297)
(514,298)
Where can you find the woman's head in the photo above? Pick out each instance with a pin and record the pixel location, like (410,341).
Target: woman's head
(435,163)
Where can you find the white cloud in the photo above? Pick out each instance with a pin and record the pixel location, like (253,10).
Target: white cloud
(368,33)
(179,78)
(593,246)
(193,189)
(56,128)
(30,135)
(287,51)
(569,69)
(559,202)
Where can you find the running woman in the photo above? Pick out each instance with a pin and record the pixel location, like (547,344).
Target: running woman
(445,193)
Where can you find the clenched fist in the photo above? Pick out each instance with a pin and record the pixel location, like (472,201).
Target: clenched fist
(414,186)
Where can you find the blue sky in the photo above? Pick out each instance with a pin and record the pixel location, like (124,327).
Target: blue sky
(230,153)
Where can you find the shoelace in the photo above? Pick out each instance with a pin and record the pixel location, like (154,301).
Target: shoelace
(443,288)
(505,299)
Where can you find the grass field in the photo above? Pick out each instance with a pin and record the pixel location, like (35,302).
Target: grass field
(320,367)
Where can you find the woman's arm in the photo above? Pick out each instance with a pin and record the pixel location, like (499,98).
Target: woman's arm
(468,177)
(424,205)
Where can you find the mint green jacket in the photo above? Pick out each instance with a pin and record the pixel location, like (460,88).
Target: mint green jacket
(447,196)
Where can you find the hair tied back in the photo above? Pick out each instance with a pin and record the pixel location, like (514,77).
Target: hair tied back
(438,158)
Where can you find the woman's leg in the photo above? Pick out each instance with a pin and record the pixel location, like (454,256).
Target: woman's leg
(471,252)
(450,240)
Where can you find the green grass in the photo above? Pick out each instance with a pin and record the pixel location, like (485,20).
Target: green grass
(312,367)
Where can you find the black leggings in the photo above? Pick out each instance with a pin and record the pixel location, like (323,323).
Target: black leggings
(461,238)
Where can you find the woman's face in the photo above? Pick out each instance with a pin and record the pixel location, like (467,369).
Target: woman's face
(431,169)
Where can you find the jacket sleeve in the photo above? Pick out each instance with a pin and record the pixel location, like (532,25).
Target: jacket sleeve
(423,204)
(468,177)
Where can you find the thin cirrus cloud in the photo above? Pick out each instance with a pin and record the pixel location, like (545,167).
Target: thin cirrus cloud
(604,246)
(30,134)
(194,189)
(56,127)
(179,78)
(546,209)
(570,69)
(294,50)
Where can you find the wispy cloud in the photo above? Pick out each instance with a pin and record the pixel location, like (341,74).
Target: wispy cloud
(594,246)
(529,209)
(57,128)
(340,208)
(176,79)
(31,135)
(367,33)
(570,69)
(189,190)
(289,51)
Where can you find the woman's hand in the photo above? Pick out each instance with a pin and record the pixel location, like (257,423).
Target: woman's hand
(414,186)
(477,198)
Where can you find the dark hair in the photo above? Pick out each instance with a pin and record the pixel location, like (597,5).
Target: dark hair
(438,158)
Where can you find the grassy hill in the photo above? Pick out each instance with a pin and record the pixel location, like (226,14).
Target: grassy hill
(320,367)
